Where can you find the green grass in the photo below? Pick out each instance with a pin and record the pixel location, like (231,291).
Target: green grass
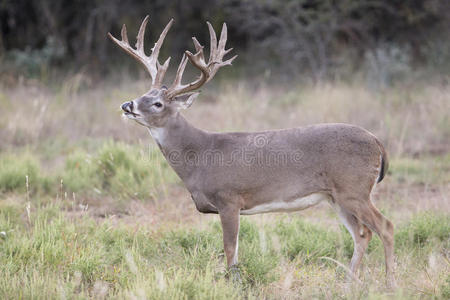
(21,173)
(423,231)
(115,168)
(49,255)
(52,256)
(424,170)
(445,288)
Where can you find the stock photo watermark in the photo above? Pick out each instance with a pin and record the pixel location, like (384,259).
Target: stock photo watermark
(258,152)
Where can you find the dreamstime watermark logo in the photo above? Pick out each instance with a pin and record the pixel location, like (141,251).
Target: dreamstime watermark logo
(260,140)
(259,151)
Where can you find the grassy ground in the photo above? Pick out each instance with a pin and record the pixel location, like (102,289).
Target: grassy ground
(90,209)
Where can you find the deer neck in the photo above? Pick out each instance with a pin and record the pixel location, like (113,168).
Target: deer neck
(179,141)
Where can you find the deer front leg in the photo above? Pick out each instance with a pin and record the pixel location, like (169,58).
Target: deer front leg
(229,218)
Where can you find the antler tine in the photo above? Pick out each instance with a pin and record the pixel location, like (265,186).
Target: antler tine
(198,47)
(213,43)
(124,34)
(161,72)
(180,71)
(151,63)
(208,70)
(223,38)
(140,36)
(229,61)
(162,36)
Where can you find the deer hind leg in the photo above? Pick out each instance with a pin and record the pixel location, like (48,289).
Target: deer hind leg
(361,237)
(373,219)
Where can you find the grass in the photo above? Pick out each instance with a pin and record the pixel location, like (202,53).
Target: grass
(114,169)
(423,230)
(16,172)
(118,169)
(423,170)
(89,208)
(48,255)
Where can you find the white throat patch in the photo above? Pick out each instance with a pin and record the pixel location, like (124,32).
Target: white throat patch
(158,134)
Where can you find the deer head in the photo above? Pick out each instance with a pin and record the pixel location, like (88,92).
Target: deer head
(155,107)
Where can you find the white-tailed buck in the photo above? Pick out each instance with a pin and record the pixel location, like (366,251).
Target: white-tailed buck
(243,173)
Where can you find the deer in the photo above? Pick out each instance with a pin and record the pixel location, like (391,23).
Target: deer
(246,173)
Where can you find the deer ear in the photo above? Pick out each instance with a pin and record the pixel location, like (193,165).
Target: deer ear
(184,101)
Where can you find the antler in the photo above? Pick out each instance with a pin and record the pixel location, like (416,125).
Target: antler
(208,70)
(151,63)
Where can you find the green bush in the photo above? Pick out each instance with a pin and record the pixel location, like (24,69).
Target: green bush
(258,258)
(445,288)
(307,240)
(14,170)
(423,229)
(193,248)
(79,172)
(124,171)
(10,215)
(116,169)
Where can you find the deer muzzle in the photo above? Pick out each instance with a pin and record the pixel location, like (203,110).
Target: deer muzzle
(127,107)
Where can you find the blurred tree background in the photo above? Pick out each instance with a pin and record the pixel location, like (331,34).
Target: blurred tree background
(317,39)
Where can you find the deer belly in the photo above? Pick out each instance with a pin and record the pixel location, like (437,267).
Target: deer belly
(286,206)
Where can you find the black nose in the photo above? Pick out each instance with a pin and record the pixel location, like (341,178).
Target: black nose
(127,106)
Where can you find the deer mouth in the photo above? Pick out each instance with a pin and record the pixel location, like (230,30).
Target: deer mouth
(131,114)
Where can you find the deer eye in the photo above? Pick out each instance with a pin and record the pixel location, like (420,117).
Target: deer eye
(157,104)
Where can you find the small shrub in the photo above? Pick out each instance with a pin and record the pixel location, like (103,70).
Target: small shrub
(79,172)
(10,217)
(445,288)
(422,229)
(117,169)
(258,259)
(307,240)
(193,240)
(195,248)
(189,284)
(13,172)
(258,267)
(124,171)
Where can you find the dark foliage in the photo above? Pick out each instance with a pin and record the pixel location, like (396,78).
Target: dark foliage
(320,38)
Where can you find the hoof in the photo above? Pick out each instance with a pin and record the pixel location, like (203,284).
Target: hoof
(235,275)
(391,284)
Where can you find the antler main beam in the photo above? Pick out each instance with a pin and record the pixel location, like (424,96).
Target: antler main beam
(151,63)
(208,70)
